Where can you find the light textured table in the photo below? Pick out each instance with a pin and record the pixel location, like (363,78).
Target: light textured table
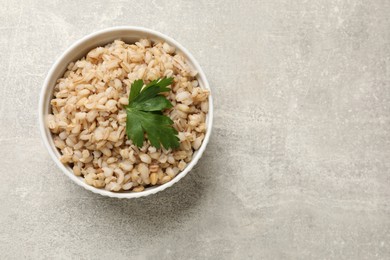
(298,164)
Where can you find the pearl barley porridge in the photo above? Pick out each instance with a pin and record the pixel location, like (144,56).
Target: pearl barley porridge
(88,119)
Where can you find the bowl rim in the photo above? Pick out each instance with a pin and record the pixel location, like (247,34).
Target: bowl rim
(47,87)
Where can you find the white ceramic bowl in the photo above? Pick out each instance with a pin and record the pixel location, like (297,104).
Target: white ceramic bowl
(79,49)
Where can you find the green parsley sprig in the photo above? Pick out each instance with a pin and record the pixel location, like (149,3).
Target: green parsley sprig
(144,114)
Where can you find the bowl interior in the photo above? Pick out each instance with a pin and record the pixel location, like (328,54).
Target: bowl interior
(79,50)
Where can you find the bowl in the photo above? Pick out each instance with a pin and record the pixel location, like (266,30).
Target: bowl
(129,34)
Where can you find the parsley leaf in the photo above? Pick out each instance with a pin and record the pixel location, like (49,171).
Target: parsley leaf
(144,114)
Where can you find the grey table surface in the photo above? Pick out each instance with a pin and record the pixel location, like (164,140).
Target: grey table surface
(298,163)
